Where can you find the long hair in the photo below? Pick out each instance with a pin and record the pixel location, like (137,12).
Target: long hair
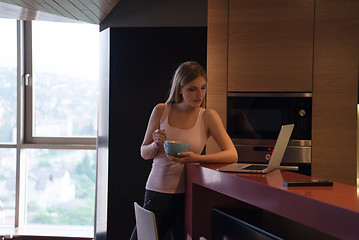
(185,73)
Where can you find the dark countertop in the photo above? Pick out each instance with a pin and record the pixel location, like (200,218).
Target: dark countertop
(331,209)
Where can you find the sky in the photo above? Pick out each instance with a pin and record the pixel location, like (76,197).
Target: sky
(54,47)
(7,43)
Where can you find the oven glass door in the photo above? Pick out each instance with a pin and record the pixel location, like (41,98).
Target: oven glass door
(260,115)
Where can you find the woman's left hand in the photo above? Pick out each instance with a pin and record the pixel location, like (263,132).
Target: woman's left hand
(185,157)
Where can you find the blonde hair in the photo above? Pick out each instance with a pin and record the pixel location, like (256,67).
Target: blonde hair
(185,73)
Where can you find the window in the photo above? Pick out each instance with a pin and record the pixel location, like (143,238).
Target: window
(8,112)
(65,74)
(48,123)
(8,80)
(60,186)
(7,186)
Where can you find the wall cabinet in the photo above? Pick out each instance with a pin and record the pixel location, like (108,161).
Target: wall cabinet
(270,45)
(292,46)
(335,90)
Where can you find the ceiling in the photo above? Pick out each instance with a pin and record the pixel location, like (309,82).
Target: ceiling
(90,11)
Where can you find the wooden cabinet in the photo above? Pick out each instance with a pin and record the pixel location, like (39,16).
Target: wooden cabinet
(270,45)
(335,90)
(217,31)
(258,46)
(292,46)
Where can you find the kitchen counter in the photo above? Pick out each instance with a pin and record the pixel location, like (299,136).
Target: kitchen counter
(332,210)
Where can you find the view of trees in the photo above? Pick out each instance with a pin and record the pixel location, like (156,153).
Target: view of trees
(60,183)
(65,103)
(79,211)
(74,105)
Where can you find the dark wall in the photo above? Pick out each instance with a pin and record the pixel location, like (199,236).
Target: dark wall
(157,13)
(148,40)
(142,62)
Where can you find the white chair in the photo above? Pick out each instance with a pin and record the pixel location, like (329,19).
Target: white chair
(145,223)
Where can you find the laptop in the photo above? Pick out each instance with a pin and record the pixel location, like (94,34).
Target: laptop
(275,160)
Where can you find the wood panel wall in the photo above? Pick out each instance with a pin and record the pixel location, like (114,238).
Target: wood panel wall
(217,51)
(270,45)
(335,83)
(335,90)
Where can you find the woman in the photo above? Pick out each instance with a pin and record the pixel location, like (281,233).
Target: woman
(182,118)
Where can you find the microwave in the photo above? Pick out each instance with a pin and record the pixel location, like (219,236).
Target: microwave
(261,115)
(255,119)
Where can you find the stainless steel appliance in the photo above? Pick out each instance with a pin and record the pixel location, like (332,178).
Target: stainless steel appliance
(254,121)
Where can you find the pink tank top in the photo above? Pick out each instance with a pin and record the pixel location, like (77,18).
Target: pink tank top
(169,177)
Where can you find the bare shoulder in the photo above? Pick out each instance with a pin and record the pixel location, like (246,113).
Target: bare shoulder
(210,114)
(212,121)
(211,117)
(160,107)
(158,110)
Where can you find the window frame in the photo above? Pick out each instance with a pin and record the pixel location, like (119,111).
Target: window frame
(83,142)
(24,137)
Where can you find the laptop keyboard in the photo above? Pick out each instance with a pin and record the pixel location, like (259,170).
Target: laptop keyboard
(256,167)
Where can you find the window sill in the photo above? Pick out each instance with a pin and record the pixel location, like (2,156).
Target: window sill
(49,232)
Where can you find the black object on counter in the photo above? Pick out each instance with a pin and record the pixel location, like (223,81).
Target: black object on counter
(298,183)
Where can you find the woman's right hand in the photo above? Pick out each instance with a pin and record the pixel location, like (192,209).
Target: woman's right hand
(159,136)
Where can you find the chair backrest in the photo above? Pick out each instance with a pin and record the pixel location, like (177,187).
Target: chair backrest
(145,223)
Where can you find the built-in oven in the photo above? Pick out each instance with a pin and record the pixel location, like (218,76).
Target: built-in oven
(254,121)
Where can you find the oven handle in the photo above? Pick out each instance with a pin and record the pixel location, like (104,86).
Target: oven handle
(289,168)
